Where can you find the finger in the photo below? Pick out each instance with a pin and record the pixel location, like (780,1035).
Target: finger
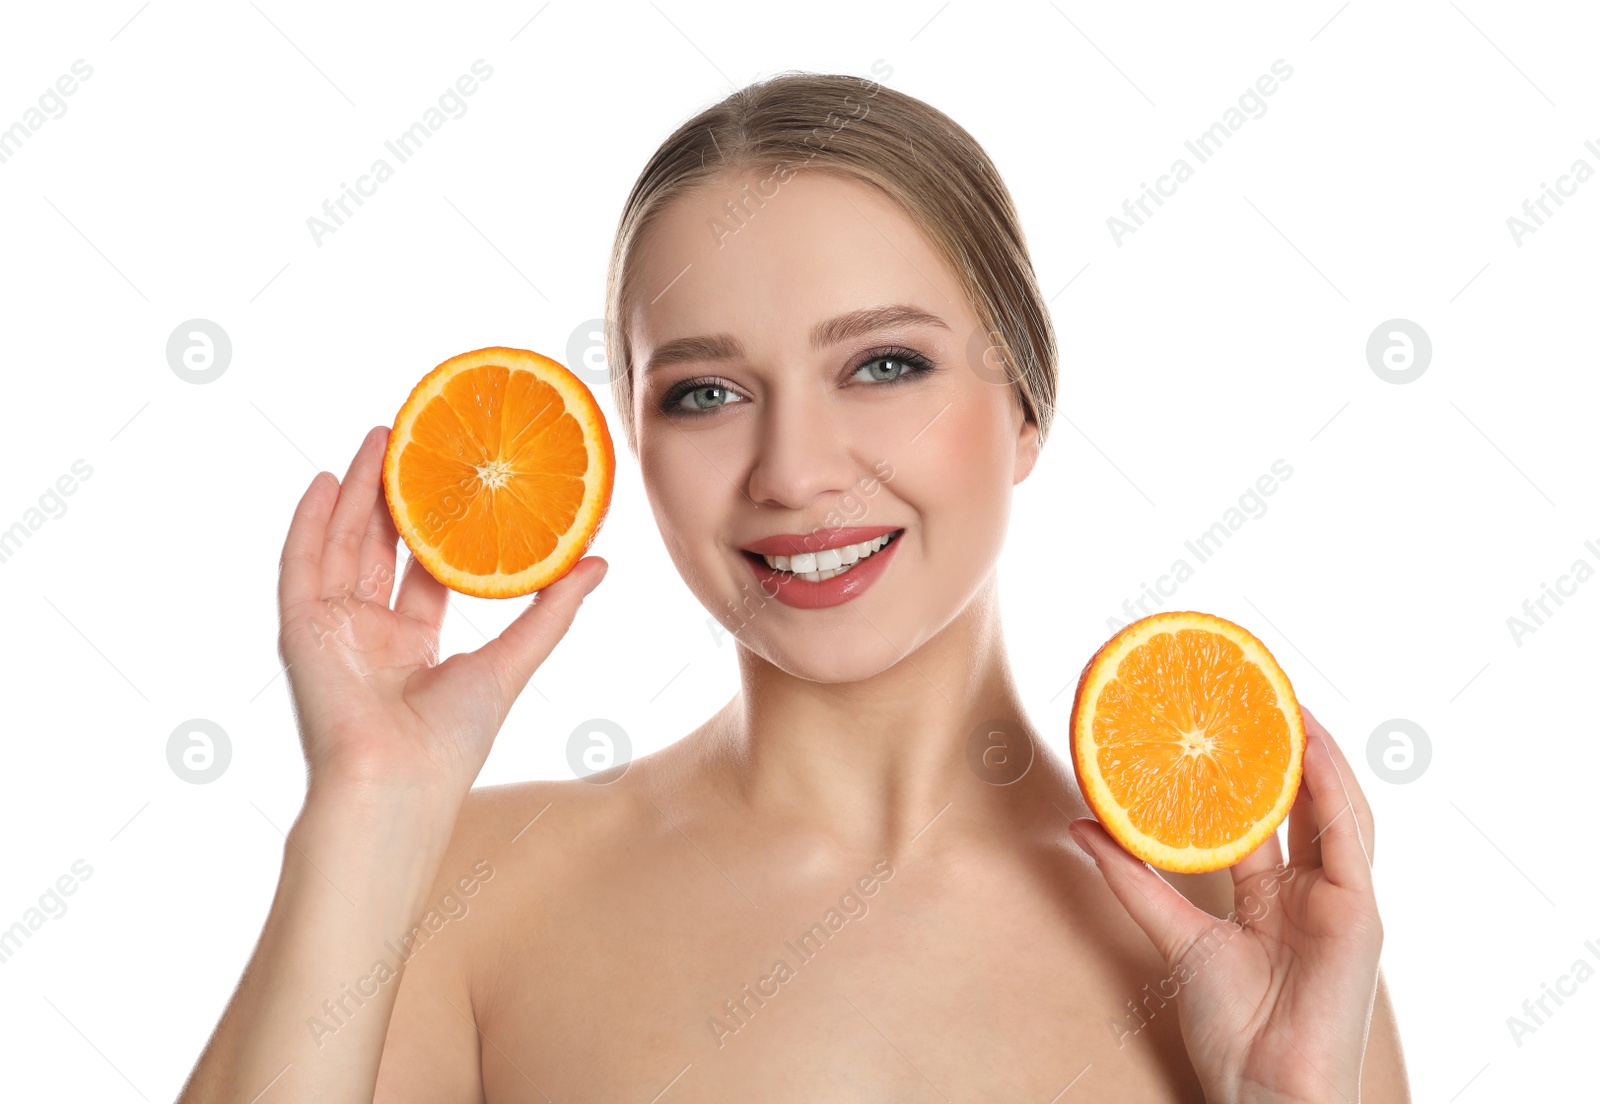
(1352,786)
(300,565)
(358,496)
(422,597)
(517,652)
(1305,848)
(1344,856)
(1257,868)
(1171,922)
(378,556)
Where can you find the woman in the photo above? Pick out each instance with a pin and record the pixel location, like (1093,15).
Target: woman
(829,343)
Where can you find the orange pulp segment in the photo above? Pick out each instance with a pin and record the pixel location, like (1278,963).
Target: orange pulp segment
(1187,740)
(499,472)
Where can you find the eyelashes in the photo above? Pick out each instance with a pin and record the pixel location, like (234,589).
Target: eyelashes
(675,395)
(914,360)
(916,364)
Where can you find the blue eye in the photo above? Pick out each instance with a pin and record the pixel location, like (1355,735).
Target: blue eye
(913,364)
(692,389)
(703,394)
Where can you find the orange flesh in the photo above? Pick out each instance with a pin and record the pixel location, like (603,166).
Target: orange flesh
(494,472)
(1191,740)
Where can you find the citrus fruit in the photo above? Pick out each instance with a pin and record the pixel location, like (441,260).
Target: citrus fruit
(1187,740)
(499,472)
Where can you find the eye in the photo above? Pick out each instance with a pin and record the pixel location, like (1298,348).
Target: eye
(893,365)
(698,396)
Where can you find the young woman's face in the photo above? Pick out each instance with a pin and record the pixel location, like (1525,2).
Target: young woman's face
(755,419)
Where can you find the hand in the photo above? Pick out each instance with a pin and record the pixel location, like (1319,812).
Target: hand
(373,702)
(1274,1006)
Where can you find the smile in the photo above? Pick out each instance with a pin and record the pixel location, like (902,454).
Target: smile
(825,563)
(816,579)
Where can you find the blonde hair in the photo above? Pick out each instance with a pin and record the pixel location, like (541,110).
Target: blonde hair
(915,153)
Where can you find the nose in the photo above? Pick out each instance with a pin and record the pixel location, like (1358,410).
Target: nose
(803,454)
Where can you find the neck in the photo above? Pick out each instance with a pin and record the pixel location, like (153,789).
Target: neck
(870,763)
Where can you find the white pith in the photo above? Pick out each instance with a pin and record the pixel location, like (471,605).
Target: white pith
(814,567)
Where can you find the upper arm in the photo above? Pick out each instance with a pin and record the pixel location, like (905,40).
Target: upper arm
(431,1053)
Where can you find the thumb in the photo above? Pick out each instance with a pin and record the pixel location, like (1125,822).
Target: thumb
(517,652)
(1165,915)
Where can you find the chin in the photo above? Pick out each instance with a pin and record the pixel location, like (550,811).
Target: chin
(829,662)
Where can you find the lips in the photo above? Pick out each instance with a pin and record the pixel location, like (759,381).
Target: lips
(800,592)
(791,544)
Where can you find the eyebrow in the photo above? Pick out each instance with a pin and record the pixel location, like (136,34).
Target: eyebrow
(724,346)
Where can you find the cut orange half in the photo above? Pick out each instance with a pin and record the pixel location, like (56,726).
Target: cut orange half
(499,472)
(1187,740)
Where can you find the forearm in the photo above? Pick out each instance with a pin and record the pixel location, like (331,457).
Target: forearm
(357,869)
(1383,1074)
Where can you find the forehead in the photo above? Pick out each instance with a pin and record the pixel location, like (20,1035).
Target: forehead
(756,255)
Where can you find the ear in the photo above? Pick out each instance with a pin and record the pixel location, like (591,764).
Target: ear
(1027,449)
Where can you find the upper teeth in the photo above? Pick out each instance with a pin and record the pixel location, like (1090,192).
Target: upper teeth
(828,559)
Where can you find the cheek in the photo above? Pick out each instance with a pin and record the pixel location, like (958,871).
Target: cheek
(688,496)
(966,451)
(959,475)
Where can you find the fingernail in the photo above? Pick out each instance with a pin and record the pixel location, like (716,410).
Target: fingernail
(594,580)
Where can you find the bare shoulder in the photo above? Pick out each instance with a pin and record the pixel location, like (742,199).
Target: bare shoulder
(539,836)
(530,846)
(516,851)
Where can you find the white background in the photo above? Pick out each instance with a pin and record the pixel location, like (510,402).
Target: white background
(1227,333)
